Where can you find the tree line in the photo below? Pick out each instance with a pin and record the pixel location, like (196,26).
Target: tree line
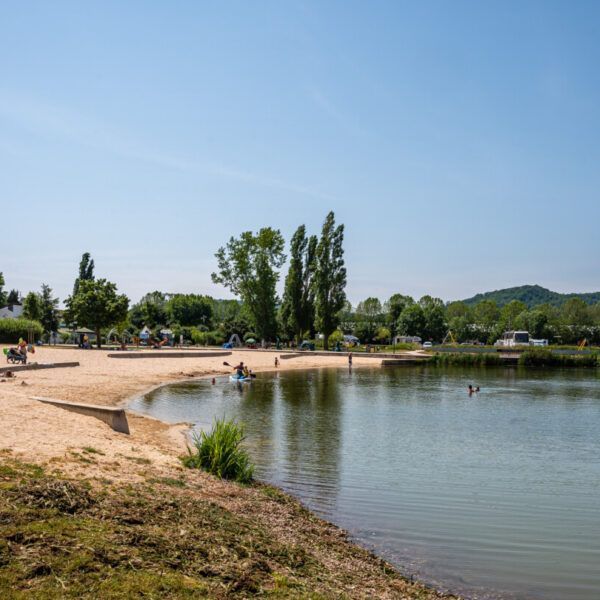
(313,301)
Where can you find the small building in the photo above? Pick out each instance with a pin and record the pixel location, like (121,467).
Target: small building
(145,334)
(407,339)
(11,311)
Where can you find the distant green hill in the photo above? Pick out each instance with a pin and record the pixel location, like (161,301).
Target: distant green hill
(532,295)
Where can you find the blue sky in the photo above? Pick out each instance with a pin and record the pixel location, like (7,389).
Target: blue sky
(457,141)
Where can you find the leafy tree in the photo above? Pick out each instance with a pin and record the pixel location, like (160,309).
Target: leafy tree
(48,309)
(190,309)
(86,271)
(32,308)
(461,328)
(509,314)
(369,318)
(393,309)
(97,305)
(330,278)
(435,318)
(412,321)
(2,292)
(13,297)
(346,318)
(298,305)
(458,309)
(535,321)
(248,267)
(486,314)
(151,310)
(383,335)
(231,316)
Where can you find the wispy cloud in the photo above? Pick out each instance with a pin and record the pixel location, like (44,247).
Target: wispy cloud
(79,129)
(326,105)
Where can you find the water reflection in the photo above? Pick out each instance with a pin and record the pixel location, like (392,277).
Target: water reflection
(494,494)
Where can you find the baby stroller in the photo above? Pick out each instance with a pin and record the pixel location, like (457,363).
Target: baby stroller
(14,356)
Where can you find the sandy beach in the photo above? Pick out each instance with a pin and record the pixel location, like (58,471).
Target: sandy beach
(145,464)
(34,431)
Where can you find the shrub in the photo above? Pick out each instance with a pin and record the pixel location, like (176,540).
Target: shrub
(547,358)
(13,329)
(221,453)
(199,337)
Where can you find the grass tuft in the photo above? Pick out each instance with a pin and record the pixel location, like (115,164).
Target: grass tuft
(221,453)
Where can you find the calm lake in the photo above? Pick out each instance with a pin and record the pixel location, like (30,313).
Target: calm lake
(496,495)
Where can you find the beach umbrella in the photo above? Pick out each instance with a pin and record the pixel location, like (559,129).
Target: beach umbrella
(250,341)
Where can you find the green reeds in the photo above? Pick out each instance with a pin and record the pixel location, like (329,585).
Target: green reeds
(221,453)
(466,359)
(547,358)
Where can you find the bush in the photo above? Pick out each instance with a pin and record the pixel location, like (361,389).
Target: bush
(13,329)
(220,452)
(547,358)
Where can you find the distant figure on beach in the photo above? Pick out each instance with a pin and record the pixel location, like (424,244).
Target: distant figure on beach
(276,362)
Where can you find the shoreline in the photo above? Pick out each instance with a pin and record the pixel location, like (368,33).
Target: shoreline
(61,441)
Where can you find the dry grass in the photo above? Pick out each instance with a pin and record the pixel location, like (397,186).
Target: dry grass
(164,539)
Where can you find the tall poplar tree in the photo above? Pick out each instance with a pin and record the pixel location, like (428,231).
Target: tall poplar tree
(248,267)
(86,271)
(330,278)
(298,305)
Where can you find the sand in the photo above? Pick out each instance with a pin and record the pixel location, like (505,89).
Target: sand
(37,432)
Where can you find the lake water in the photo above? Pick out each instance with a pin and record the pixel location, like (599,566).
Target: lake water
(496,495)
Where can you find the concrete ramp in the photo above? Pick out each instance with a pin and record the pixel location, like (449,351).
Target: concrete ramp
(167,354)
(36,366)
(114,417)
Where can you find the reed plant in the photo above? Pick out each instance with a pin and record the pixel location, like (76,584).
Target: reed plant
(466,359)
(221,452)
(547,358)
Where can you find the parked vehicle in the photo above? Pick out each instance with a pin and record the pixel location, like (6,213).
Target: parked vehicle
(427,345)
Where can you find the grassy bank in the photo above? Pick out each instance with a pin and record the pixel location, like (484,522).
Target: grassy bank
(162,539)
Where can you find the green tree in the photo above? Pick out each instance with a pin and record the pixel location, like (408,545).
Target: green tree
(435,318)
(86,271)
(151,310)
(13,297)
(330,278)
(509,314)
(535,321)
(32,308)
(97,305)
(393,309)
(48,309)
(485,316)
(412,321)
(2,292)
(190,309)
(298,303)
(369,318)
(248,267)
(458,309)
